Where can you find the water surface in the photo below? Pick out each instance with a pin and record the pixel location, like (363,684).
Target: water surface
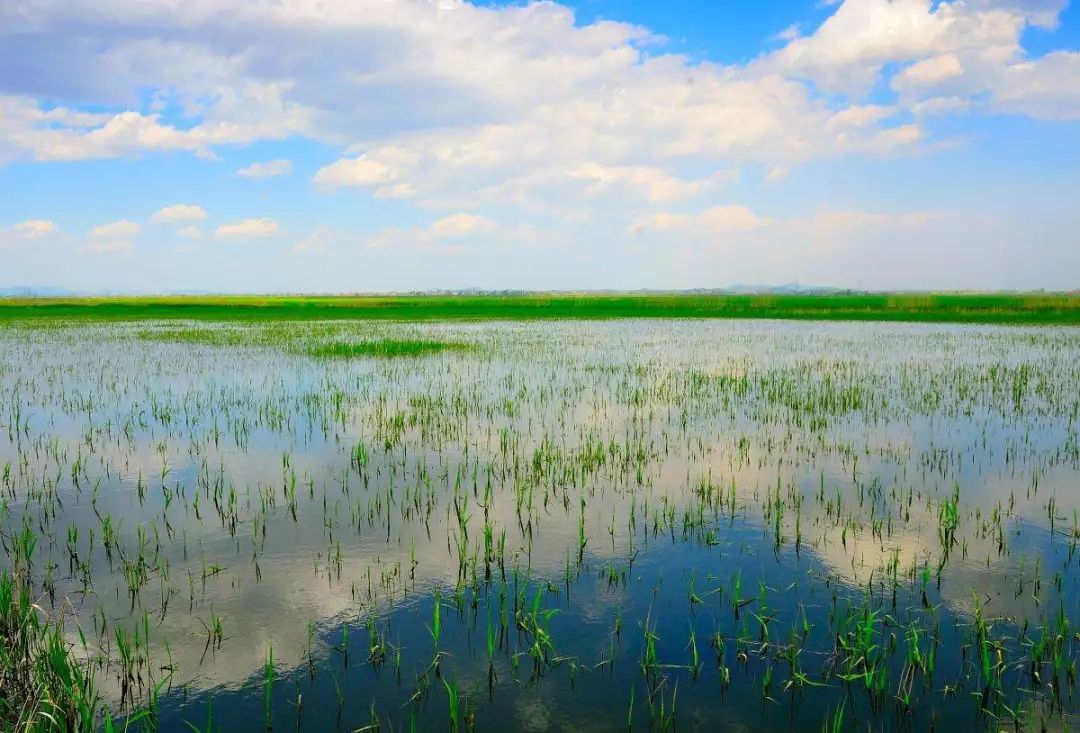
(662,524)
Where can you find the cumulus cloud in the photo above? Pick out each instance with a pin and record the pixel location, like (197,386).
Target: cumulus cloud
(858,116)
(64,134)
(941,106)
(412,102)
(931,71)
(849,51)
(246,229)
(459,225)
(317,241)
(123,229)
(822,231)
(718,220)
(359,172)
(417,91)
(34,228)
(113,238)
(455,233)
(266,169)
(655,184)
(178,213)
(1046,88)
(109,246)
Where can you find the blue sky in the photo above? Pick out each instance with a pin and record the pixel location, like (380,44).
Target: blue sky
(366,145)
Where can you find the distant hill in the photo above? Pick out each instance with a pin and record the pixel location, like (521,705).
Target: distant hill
(36,291)
(736,289)
(784,289)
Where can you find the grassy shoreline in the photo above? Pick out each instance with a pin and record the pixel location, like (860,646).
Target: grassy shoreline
(1000,308)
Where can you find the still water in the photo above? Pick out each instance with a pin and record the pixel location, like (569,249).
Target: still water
(653,525)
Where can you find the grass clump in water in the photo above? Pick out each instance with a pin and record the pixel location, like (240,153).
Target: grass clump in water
(204,336)
(385,348)
(42,685)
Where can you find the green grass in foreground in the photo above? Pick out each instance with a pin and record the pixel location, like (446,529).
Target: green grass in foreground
(43,685)
(1033,308)
(384,348)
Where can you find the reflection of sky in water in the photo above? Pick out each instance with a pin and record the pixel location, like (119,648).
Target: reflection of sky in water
(881,420)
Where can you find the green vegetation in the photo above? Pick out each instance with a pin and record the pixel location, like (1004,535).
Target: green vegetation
(823,528)
(384,348)
(43,685)
(320,340)
(1033,308)
(206,336)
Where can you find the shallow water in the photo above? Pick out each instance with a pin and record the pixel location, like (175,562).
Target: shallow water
(684,524)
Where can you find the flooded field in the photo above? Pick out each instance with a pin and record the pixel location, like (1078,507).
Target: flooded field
(594,526)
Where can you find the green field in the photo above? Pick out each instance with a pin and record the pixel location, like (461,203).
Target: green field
(1040,308)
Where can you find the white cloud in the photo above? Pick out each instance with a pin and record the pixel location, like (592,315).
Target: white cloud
(858,116)
(661,222)
(319,240)
(266,169)
(34,228)
(598,120)
(655,184)
(44,135)
(732,218)
(1046,88)
(893,138)
(359,172)
(109,246)
(929,72)
(788,34)
(941,106)
(455,233)
(123,229)
(968,53)
(718,220)
(851,48)
(178,213)
(248,229)
(113,238)
(459,225)
(823,231)
(417,92)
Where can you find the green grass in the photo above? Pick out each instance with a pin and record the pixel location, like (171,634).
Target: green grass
(43,686)
(1030,308)
(206,336)
(383,348)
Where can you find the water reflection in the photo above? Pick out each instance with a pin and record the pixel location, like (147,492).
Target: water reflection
(625,474)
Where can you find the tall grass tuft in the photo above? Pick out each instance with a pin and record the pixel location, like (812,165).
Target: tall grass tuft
(384,348)
(43,685)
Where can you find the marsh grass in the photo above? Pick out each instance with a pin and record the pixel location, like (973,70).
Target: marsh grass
(766,495)
(321,341)
(1047,308)
(384,348)
(205,336)
(43,685)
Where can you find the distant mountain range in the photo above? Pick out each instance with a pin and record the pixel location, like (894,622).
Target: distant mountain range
(736,289)
(28,291)
(785,289)
(45,291)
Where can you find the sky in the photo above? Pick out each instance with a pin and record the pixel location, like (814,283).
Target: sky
(399,145)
